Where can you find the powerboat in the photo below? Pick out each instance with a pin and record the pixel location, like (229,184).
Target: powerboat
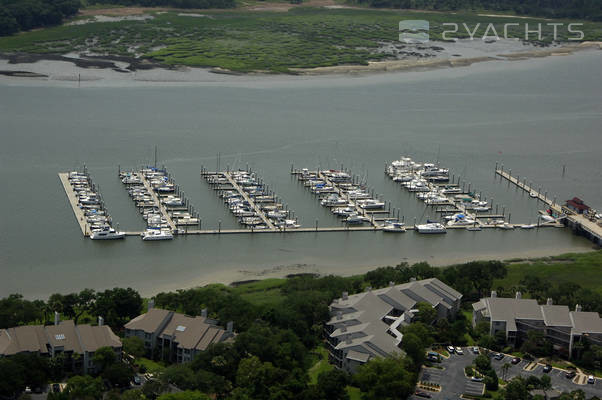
(107,234)
(528,226)
(333,200)
(173,201)
(344,212)
(156,234)
(392,226)
(431,227)
(355,219)
(370,204)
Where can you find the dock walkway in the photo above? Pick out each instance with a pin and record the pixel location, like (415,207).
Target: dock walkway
(576,221)
(79,214)
(157,201)
(248,198)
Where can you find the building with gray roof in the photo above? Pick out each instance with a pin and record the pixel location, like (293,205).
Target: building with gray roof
(515,317)
(368,324)
(64,337)
(178,337)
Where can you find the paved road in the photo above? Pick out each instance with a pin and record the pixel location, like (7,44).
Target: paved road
(454,383)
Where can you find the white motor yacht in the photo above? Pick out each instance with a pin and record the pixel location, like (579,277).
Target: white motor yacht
(333,200)
(107,234)
(370,204)
(157,234)
(173,201)
(528,226)
(394,227)
(355,219)
(431,227)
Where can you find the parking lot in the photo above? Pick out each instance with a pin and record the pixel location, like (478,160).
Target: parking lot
(451,378)
(559,381)
(454,383)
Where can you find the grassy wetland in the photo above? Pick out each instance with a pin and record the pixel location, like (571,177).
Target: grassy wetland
(270,41)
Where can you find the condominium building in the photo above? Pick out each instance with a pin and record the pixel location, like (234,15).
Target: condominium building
(517,316)
(177,337)
(367,325)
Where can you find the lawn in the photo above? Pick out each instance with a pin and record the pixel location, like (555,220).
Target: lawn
(585,269)
(150,365)
(261,293)
(240,40)
(321,364)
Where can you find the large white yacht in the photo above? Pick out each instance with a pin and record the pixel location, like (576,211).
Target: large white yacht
(392,226)
(431,227)
(370,204)
(157,234)
(107,234)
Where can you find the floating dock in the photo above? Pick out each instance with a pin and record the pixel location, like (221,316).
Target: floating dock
(79,214)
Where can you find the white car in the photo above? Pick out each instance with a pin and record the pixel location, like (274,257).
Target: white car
(450,349)
(591,379)
(459,351)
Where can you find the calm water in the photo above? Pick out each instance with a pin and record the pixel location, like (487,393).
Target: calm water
(534,116)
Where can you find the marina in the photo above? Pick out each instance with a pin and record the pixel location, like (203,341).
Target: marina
(160,202)
(346,197)
(251,201)
(88,206)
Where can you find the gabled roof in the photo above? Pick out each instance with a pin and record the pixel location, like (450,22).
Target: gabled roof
(66,336)
(95,337)
(149,322)
(29,338)
(586,322)
(556,315)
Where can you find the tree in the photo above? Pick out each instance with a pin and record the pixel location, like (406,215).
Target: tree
(505,369)
(180,375)
(545,384)
(119,374)
(8,23)
(516,389)
(414,347)
(117,306)
(104,357)
(84,387)
(483,363)
(185,395)
(257,377)
(332,384)
(134,346)
(426,313)
(133,394)
(384,379)
(12,378)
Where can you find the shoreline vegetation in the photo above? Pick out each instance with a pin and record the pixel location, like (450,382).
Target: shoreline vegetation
(261,39)
(288,315)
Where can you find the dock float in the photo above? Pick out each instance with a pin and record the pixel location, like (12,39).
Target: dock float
(79,214)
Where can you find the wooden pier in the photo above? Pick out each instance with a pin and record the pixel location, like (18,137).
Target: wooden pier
(248,198)
(578,222)
(79,214)
(157,201)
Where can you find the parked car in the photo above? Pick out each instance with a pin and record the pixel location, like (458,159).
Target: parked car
(421,393)
(571,374)
(547,368)
(515,360)
(498,356)
(137,380)
(27,390)
(476,379)
(450,349)
(475,350)
(56,388)
(591,379)
(459,351)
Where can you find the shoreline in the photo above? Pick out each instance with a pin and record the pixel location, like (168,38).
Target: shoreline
(233,278)
(19,66)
